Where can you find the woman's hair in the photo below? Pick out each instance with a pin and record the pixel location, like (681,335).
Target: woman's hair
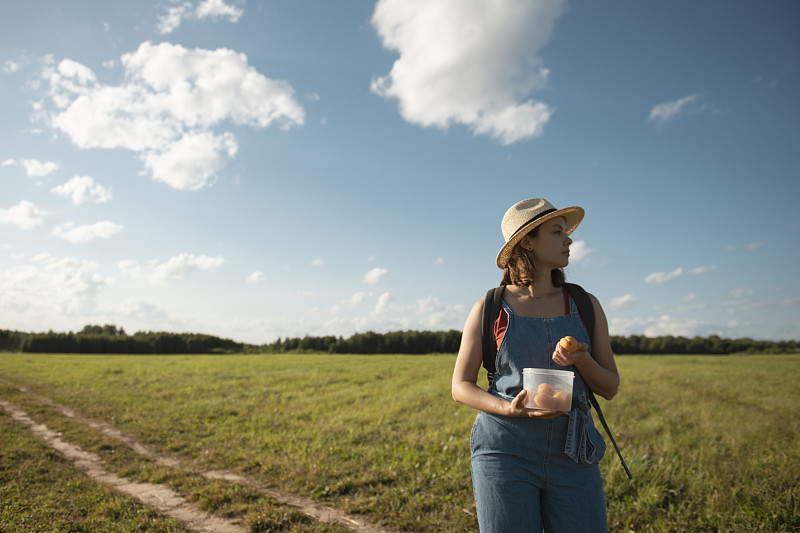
(521,270)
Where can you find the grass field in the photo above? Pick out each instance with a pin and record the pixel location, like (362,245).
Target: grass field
(712,441)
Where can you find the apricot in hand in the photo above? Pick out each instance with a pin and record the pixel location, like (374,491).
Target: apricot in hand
(569,344)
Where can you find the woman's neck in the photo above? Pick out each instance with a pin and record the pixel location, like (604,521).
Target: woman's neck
(542,286)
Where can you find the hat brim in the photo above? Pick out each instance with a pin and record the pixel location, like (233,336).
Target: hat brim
(572,215)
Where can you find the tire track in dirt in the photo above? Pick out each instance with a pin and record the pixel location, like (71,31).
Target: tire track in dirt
(162,498)
(166,500)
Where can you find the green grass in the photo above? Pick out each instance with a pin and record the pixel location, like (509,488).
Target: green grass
(712,441)
(39,491)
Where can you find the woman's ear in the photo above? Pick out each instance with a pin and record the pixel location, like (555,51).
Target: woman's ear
(526,243)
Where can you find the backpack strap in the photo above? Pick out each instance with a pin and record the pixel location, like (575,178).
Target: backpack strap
(586,312)
(585,307)
(491,311)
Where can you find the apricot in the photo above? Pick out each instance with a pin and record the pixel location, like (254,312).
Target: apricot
(545,401)
(569,344)
(546,388)
(563,400)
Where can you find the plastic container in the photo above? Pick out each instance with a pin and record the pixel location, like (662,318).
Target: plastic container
(549,390)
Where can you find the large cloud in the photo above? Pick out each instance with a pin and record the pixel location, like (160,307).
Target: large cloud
(471,62)
(168,107)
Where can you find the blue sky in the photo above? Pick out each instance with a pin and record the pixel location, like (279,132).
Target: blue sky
(266,169)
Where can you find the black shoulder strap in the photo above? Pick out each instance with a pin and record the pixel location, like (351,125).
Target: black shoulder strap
(585,307)
(491,310)
(586,311)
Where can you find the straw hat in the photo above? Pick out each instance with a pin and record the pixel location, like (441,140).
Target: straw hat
(523,216)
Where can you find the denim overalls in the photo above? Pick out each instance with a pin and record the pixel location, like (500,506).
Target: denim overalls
(530,474)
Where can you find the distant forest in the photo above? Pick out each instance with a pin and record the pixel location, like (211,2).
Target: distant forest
(110,339)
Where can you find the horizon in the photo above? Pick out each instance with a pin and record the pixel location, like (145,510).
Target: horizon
(264,170)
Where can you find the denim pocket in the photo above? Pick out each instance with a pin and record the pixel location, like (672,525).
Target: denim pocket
(584,443)
(472,434)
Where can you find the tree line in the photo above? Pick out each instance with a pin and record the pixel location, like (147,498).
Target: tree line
(110,339)
(411,342)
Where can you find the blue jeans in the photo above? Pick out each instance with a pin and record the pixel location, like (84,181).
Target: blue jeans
(524,482)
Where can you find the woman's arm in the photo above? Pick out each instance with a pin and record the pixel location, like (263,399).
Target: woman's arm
(598,370)
(465,375)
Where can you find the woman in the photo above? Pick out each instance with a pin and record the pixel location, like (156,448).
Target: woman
(535,470)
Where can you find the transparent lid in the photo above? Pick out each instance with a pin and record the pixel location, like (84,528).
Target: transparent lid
(550,372)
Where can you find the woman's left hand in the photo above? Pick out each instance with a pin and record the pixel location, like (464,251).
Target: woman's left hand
(564,358)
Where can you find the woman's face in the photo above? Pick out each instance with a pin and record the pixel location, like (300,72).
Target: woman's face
(550,245)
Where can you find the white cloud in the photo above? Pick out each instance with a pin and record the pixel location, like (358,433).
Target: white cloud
(83,189)
(693,302)
(383,304)
(741,293)
(168,107)
(756,245)
(663,277)
(176,268)
(666,112)
(218,8)
(255,277)
(24,215)
(745,300)
(192,161)
(438,315)
(659,326)
(214,9)
(702,270)
(49,287)
(358,298)
(33,167)
(355,300)
(10,66)
(375,275)
(579,251)
(317,262)
(439,261)
(623,302)
(470,62)
(88,232)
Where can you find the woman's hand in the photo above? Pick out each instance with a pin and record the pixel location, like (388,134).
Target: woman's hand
(564,358)
(516,408)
